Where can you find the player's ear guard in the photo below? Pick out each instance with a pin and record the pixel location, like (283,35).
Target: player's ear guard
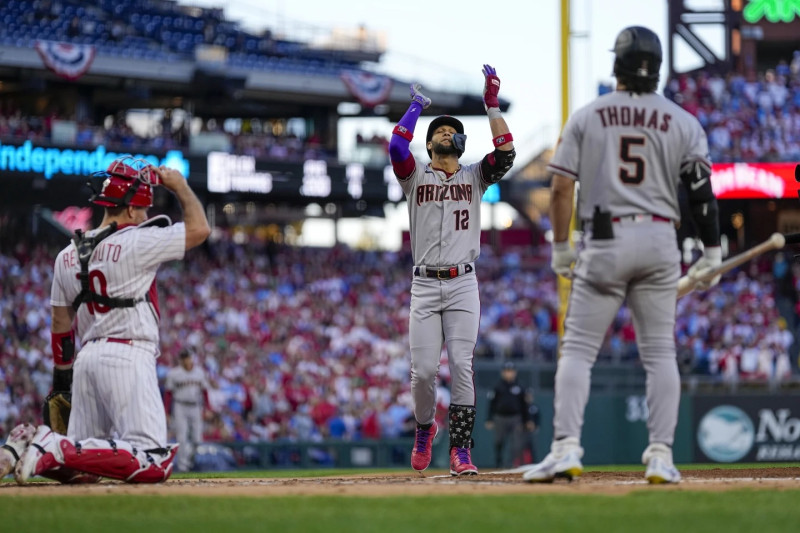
(601,225)
(459,143)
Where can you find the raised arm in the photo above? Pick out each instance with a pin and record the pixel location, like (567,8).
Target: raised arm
(194,215)
(496,164)
(399,152)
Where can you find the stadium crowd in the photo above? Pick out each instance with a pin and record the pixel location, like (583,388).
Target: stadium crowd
(302,344)
(251,137)
(747,118)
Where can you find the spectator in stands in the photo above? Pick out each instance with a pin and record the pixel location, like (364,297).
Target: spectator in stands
(298,329)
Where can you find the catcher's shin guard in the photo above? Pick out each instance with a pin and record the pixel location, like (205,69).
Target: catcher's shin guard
(59,458)
(119,460)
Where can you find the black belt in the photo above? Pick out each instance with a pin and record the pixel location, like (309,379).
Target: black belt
(443,273)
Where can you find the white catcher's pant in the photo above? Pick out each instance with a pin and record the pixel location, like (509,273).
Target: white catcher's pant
(115,395)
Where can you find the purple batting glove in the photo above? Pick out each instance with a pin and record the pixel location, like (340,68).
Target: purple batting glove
(491,87)
(418,97)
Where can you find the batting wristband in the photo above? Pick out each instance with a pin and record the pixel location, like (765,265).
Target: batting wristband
(403,132)
(500,140)
(494,112)
(63,345)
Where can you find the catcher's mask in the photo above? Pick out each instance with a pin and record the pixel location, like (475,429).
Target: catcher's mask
(127,181)
(459,139)
(638,53)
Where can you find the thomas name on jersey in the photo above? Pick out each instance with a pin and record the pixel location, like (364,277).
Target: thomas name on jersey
(633,116)
(457,192)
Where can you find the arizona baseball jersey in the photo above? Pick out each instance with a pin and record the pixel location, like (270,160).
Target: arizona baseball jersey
(627,151)
(117,360)
(187,388)
(445,214)
(445,223)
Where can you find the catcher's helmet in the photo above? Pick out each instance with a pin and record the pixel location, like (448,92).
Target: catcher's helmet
(638,53)
(444,120)
(128,181)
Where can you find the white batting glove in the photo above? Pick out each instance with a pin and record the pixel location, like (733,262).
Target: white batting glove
(712,257)
(563,255)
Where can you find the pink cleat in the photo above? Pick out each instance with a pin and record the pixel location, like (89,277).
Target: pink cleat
(423,447)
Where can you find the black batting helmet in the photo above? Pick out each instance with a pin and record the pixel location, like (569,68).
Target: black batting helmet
(638,53)
(444,120)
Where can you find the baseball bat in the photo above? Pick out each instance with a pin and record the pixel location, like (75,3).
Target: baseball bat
(776,241)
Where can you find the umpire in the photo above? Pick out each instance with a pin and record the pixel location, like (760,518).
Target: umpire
(512,416)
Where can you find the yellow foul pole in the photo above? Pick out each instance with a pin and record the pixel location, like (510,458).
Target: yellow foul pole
(564,285)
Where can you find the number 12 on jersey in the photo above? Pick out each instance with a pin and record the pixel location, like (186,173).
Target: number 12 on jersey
(462,219)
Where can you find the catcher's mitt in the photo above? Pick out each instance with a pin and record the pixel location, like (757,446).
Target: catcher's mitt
(56,409)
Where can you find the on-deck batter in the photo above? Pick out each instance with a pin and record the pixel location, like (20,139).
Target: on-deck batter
(111,305)
(445,224)
(185,396)
(629,150)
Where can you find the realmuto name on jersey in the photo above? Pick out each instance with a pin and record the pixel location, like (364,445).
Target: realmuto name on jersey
(638,117)
(457,192)
(108,252)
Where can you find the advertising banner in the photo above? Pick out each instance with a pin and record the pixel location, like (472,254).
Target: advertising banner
(730,429)
(732,181)
(52,161)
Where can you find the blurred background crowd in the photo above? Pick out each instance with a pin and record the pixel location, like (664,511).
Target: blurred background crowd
(304,344)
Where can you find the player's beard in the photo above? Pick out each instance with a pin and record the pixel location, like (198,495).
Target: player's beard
(444,149)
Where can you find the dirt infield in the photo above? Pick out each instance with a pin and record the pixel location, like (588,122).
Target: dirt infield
(434,482)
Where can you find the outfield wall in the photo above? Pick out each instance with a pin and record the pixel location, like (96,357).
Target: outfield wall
(722,428)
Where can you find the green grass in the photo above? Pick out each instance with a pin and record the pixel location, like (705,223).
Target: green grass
(640,511)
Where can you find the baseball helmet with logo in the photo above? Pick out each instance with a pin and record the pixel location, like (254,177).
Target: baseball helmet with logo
(638,53)
(444,120)
(127,181)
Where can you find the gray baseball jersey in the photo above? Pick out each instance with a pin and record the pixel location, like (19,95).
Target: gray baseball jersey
(445,225)
(451,207)
(187,388)
(627,151)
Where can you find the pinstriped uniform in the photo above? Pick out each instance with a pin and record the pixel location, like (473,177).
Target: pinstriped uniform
(115,388)
(445,227)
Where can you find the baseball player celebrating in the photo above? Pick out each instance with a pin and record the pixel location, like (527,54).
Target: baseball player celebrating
(444,213)
(104,293)
(186,393)
(629,150)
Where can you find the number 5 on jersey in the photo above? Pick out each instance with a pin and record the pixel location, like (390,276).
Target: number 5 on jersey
(631,172)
